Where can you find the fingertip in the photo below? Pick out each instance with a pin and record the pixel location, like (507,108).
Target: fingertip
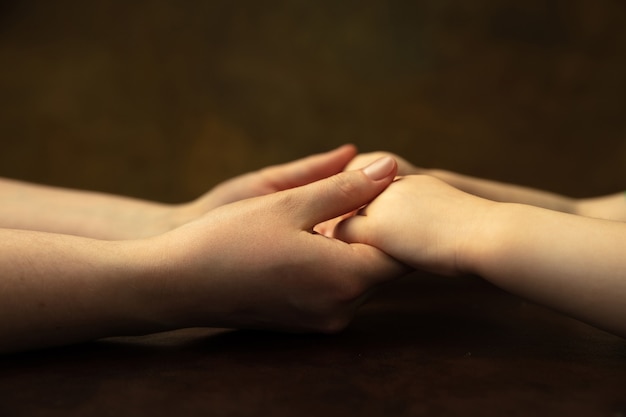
(349,150)
(341,156)
(350,146)
(381,169)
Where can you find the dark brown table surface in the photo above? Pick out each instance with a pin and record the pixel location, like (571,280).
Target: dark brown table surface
(424,345)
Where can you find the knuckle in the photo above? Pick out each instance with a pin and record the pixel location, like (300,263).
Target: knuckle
(287,203)
(345,184)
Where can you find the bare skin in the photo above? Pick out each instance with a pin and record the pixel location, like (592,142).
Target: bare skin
(112,217)
(252,263)
(563,253)
(609,207)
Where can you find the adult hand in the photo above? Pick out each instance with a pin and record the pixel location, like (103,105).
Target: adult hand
(268,180)
(256,263)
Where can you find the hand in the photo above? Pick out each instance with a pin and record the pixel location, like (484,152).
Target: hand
(257,264)
(421,221)
(404,168)
(268,180)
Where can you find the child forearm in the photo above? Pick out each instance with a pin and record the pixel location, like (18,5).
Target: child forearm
(610,207)
(571,263)
(509,193)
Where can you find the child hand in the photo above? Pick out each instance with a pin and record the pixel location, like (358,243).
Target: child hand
(421,221)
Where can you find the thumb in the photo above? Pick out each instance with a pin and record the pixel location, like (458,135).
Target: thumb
(342,193)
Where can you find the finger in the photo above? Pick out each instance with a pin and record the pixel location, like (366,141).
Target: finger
(307,170)
(327,228)
(371,263)
(375,266)
(354,229)
(404,166)
(342,193)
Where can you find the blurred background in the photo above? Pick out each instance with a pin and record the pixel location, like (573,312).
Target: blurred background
(162,99)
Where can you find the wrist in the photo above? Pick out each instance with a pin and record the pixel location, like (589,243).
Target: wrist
(174,285)
(144,295)
(135,295)
(486,237)
(148,296)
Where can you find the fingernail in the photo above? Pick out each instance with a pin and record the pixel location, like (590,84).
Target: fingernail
(380,168)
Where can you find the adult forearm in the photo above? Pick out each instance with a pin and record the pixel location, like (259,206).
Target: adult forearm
(61,289)
(570,263)
(82,213)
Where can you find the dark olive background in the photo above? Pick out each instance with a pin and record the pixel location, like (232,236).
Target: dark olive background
(163,99)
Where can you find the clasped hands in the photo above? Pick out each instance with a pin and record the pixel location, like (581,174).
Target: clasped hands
(295,247)
(265,253)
